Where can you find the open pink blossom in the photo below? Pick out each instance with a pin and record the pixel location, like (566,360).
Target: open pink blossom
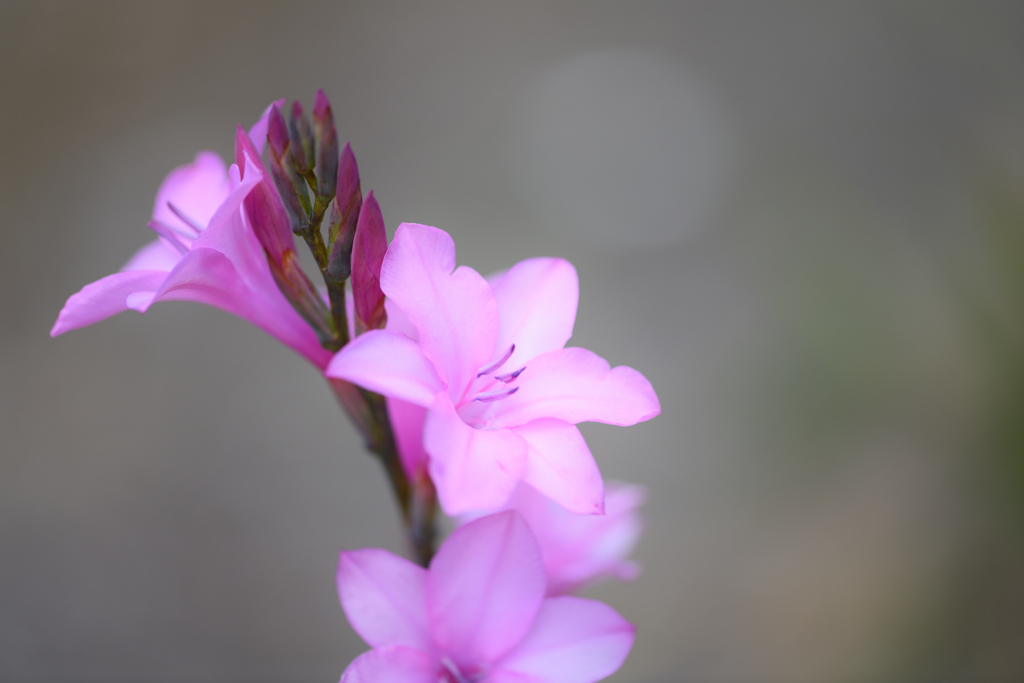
(205,251)
(478,614)
(579,550)
(488,362)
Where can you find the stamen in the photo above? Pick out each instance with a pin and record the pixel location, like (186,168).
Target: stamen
(185,219)
(455,676)
(510,376)
(169,234)
(501,361)
(492,396)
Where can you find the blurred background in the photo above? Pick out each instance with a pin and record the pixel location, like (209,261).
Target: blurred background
(804,222)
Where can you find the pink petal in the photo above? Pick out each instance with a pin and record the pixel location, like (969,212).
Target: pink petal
(472,468)
(104,298)
(208,277)
(407,423)
(484,588)
(384,598)
(196,190)
(536,306)
(577,385)
(579,549)
(230,235)
(572,641)
(455,313)
(157,255)
(560,466)
(390,364)
(392,665)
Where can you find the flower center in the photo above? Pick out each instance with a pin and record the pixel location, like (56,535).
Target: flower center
(450,673)
(494,387)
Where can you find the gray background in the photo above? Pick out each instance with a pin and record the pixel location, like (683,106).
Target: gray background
(804,222)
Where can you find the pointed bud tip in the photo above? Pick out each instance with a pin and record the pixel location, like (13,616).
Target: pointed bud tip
(348,174)
(277,131)
(322,105)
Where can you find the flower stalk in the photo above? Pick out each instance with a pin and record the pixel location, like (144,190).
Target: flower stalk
(314,184)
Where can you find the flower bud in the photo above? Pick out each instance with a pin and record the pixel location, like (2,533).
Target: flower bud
(368,248)
(290,185)
(301,138)
(326,150)
(345,212)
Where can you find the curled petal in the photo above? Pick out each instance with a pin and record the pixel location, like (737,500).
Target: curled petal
(455,313)
(388,363)
(104,298)
(537,301)
(484,588)
(577,385)
(384,598)
(392,665)
(473,469)
(560,465)
(572,641)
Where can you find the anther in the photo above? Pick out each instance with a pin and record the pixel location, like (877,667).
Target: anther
(185,219)
(492,396)
(510,376)
(497,364)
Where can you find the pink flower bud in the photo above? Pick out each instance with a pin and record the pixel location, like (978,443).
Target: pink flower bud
(326,148)
(302,138)
(368,248)
(290,185)
(347,203)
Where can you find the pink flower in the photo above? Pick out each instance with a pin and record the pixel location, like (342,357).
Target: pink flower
(581,549)
(477,615)
(487,361)
(206,252)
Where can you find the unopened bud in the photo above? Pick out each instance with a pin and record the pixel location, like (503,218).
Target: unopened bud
(326,140)
(368,249)
(344,214)
(290,185)
(301,138)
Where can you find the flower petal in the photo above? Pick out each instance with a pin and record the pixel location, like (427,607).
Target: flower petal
(455,313)
(560,466)
(104,298)
(484,587)
(537,301)
(388,363)
(407,423)
(384,598)
(572,641)
(472,468)
(392,665)
(577,385)
(196,190)
(157,255)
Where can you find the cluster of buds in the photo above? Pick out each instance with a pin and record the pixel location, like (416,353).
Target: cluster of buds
(312,185)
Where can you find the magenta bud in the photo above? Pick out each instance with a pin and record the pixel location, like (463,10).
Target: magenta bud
(301,139)
(326,142)
(277,132)
(263,206)
(368,249)
(290,185)
(345,212)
